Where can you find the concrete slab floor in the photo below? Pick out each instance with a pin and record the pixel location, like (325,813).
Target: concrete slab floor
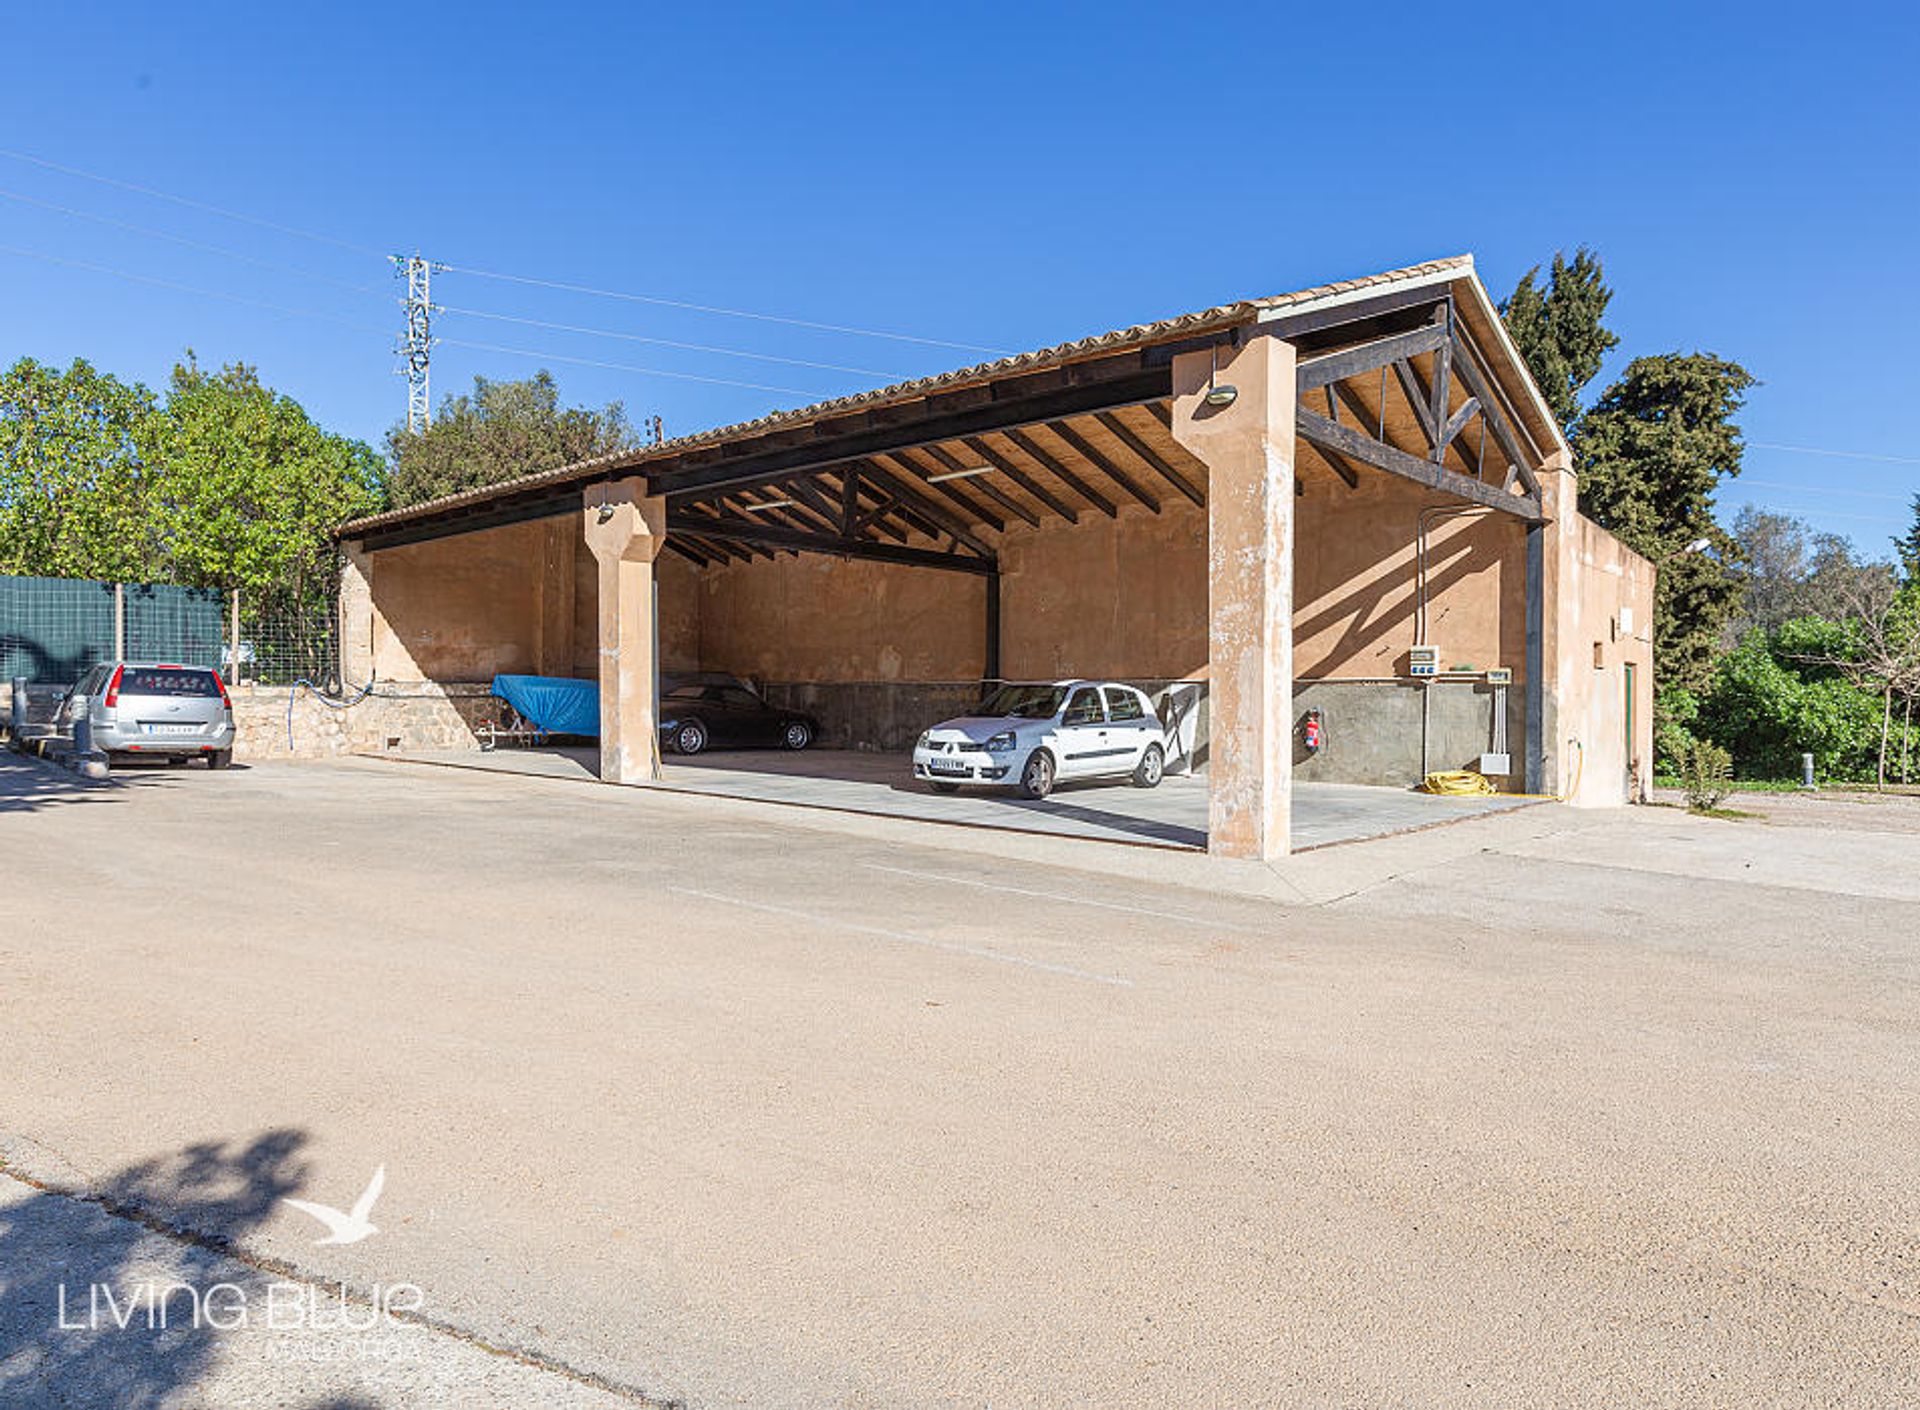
(1172,815)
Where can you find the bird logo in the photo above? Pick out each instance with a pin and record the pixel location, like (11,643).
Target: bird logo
(352,1226)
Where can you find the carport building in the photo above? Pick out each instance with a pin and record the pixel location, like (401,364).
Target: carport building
(1349,500)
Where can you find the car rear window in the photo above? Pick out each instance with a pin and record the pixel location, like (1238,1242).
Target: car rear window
(162,680)
(1123,705)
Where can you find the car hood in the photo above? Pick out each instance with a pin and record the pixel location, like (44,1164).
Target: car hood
(981,728)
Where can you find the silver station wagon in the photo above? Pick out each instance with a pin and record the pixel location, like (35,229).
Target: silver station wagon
(152,709)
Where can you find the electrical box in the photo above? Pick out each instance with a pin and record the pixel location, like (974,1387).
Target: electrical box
(1499,675)
(1496,765)
(1423,661)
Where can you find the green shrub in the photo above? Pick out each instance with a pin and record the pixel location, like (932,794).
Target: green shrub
(1767,709)
(1674,713)
(1707,777)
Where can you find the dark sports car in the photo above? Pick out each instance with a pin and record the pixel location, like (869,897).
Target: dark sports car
(697,717)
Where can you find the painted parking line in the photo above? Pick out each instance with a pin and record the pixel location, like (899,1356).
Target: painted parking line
(1200,921)
(903,937)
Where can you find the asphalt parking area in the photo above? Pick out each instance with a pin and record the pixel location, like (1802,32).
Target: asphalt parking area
(687,1097)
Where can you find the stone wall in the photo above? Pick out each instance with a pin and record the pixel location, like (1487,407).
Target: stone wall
(396,717)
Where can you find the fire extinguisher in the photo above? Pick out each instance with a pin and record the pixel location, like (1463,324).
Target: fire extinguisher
(1312,733)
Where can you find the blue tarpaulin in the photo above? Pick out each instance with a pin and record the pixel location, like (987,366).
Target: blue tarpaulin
(556,704)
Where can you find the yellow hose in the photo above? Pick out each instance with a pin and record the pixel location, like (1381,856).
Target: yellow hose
(1459,783)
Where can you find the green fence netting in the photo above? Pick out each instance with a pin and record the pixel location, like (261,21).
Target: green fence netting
(53,629)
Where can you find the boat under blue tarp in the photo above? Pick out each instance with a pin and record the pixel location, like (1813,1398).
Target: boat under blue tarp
(556,704)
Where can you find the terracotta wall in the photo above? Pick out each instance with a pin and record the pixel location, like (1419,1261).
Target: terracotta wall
(1122,597)
(814,618)
(1355,582)
(458,609)
(1605,624)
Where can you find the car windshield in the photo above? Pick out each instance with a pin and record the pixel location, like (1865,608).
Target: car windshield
(1024,702)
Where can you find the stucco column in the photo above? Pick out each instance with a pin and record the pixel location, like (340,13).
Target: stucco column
(1248,449)
(1550,550)
(625,530)
(357,615)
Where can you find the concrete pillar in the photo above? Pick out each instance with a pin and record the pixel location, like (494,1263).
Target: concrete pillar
(625,530)
(1550,550)
(1247,446)
(357,616)
(553,645)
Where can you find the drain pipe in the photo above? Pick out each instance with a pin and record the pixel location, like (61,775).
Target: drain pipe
(1422,526)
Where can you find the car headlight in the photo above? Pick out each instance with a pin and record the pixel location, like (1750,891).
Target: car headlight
(1002,742)
(926,741)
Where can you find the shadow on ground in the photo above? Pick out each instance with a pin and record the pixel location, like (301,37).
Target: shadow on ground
(30,785)
(56,1249)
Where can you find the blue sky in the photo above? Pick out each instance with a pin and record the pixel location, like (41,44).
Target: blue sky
(997,176)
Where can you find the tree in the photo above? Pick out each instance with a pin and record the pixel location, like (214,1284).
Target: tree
(1907,546)
(502,431)
(73,475)
(1772,701)
(246,490)
(1877,647)
(1790,571)
(1650,454)
(1558,329)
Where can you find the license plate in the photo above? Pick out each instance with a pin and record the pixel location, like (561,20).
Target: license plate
(171,729)
(948,766)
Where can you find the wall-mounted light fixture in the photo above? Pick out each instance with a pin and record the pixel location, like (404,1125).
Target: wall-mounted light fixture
(965,473)
(1218,393)
(606,512)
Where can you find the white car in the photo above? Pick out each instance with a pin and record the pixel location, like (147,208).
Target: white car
(1032,736)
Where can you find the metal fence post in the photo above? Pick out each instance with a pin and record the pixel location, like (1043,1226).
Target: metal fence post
(119,621)
(233,636)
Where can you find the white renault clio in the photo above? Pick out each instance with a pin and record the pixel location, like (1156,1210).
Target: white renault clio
(1032,736)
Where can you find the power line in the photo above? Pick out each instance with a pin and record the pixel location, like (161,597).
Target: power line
(723,312)
(1833,514)
(281,228)
(190,203)
(1821,489)
(670,343)
(151,233)
(199,292)
(189,288)
(1841,454)
(626,367)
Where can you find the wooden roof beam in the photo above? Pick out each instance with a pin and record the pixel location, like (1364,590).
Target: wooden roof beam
(1093,457)
(1157,462)
(1039,456)
(1021,478)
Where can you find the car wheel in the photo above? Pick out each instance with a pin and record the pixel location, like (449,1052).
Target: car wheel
(220,759)
(690,738)
(1036,779)
(1151,768)
(797,735)
(940,786)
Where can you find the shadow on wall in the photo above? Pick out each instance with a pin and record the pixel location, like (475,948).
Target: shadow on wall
(1375,609)
(52,1244)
